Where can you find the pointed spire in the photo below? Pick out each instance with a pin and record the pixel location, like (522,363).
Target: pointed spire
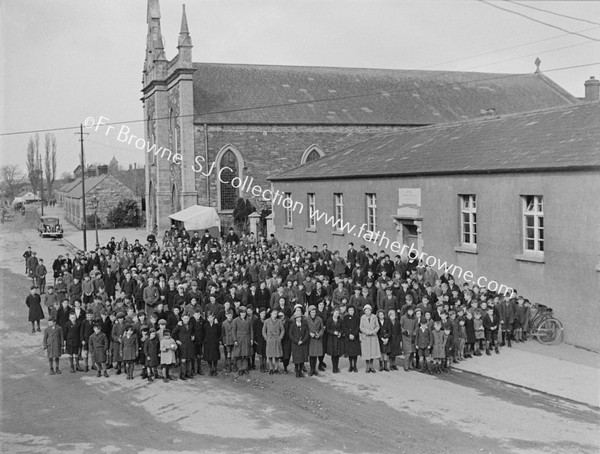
(184,35)
(153,11)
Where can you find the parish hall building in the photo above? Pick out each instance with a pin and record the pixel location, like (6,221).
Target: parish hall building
(407,152)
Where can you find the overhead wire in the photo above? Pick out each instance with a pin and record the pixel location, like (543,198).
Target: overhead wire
(291,104)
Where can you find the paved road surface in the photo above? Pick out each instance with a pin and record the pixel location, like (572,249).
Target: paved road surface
(384,412)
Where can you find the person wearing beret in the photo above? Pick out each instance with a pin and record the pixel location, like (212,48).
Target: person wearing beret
(150,351)
(53,344)
(36,313)
(316,329)
(299,336)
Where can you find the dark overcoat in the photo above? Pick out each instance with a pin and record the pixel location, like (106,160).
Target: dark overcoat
(396,339)
(299,336)
(351,326)
(409,327)
(151,350)
(243,335)
(71,333)
(212,337)
(34,303)
(129,347)
(260,343)
(183,333)
(335,342)
(384,335)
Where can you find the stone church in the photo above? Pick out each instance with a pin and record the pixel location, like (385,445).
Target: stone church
(258,121)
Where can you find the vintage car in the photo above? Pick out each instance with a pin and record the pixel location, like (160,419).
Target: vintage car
(50,227)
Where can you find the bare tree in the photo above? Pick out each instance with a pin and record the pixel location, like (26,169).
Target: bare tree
(50,162)
(10,178)
(34,162)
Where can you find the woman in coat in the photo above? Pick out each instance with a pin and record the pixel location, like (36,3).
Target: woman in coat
(395,339)
(299,336)
(273,332)
(260,343)
(118,329)
(98,345)
(53,343)
(34,303)
(151,350)
(183,335)
(316,330)
(243,335)
(351,332)
(408,325)
(369,343)
(384,335)
(335,339)
(129,350)
(198,330)
(211,345)
(286,343)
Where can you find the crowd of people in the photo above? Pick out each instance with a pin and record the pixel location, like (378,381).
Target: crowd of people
(238,304)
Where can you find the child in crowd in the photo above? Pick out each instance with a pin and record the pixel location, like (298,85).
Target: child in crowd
(129,350)
(423,342)
(462,339)
(53,344)
(228,340)
(97,346)
(167,354)
(438,351)
(151,351)
(479,333)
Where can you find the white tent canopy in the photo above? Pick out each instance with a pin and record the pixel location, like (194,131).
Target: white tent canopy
(197,217)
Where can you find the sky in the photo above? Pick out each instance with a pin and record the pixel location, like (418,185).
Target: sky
(65,60)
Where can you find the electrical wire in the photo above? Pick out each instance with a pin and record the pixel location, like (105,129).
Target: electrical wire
(552,12)
(486,2)
(291,104)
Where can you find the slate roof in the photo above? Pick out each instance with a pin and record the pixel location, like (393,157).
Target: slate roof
(68,186)
(556,139)
(90,183)
(394,97)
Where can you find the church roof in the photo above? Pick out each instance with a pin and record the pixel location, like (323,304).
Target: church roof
(261,94)
(90,184)
(565,138)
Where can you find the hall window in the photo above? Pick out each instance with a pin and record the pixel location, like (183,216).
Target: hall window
(338,210)
(228,170)
(468,223)
(288,208)
(312,206)
(533,223)
(371,212)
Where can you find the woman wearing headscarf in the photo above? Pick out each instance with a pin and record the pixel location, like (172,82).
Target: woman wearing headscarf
(369,343)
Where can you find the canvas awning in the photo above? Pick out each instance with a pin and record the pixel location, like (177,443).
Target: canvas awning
(197,217)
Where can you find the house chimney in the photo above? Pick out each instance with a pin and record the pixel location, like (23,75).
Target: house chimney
(103,170)
(592,89)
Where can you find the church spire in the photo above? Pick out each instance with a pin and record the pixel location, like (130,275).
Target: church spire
(184,45)
(156,60)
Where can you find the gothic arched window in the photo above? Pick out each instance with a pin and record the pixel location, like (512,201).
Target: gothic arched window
(312,153)
(228,169)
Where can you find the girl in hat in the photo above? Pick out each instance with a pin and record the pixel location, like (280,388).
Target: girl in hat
(369,343)
(384,335)
(129,350)
(299,336)
(351,332)
(151,350)
(167,354)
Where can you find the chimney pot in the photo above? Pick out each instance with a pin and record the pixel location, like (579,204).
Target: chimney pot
(592,89)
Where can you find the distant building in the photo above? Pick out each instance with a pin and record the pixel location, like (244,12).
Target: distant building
(512,199)
(108,189)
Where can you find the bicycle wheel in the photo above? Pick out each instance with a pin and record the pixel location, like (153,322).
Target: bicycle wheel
(550,332)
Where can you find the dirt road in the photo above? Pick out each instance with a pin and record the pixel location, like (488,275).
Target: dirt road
(384,412)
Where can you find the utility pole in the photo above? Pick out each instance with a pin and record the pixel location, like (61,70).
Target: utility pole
(81,134)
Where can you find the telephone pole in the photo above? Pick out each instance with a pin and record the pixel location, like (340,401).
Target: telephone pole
(81,134)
